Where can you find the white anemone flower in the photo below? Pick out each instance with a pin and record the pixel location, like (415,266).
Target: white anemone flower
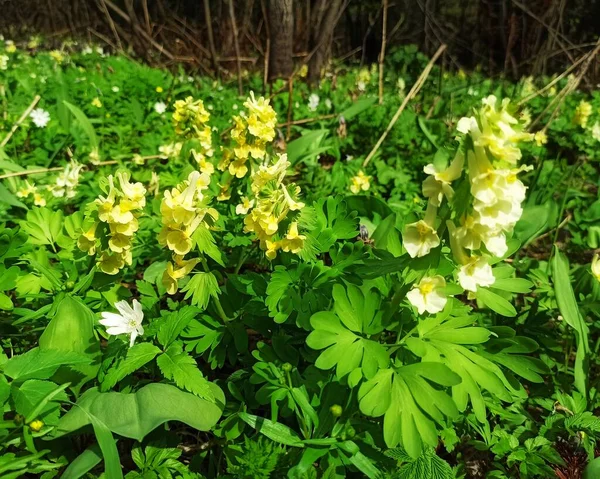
(129,321)
(160,107)
(313,102)
(40,117)
(428,295)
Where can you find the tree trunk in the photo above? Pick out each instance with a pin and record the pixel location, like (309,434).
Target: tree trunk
(281,29)
(326,14)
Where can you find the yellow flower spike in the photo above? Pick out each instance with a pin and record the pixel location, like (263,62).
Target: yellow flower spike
(582,113)
(293,240)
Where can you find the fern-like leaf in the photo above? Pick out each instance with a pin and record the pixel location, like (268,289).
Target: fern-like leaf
(180,367)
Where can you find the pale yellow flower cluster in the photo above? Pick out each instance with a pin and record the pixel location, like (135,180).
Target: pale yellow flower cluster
(116,214)
(57,56)
(491,147)
(29,189)
(360,182)
(191,121)
(582,113)
(183,211)
(253,130)
(270,207)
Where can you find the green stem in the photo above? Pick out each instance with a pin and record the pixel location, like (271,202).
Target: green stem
(243,256)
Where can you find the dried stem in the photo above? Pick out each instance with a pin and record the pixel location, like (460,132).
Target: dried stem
(411,94)
(236,44)
(20,120)
(382,54)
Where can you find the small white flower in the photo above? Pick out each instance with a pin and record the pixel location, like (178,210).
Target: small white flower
(3,62)
(362,86)
(210,107)
(328,104)
(129,321)
(87,50)
(313,102)
(40,117)
(428,295)
(160,107)
(115,89)
(235,107)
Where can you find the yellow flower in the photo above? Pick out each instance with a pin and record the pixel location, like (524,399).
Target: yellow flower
(582,113)
(119,242)
(111,263)
(10,46)
(39,200)
(360,182)
(97,103)
(159,89)
(28,189)
(540,138)
(271,248)
(244,206)
(177,271)
(190,118)
(293,241)
(303,71)
(428,295)
(57,56)
(36,425)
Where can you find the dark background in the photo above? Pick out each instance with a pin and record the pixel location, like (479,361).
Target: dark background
(515,37)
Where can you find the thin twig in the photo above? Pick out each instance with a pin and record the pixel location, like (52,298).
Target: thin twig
(111,24)
(382,54)
(411,94)
(307,120)
(236,44)
(20,120)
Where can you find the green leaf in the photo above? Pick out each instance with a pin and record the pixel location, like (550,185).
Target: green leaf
(386,236)
(7,198)
(344,333)
(137,356)
(43,226)
(307,146)
(135,415)
(108,446)
(83,463)
(85,124)
(40,364)
(358,107)
(72,330)
(513,285)
(273,430)
(179,366)
(206,244)
(567,305)
(409,403)
(32,399)
(592,470)
(175,323)
(496,303)
(200,288)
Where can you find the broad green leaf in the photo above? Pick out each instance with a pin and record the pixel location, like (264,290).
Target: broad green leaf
(513,285)
(344,333)
(7,198)
(179,366)
(40,364)
(137,356)
(358,107)
(135,415)
(387,236)
(409,403)
(32,398)
(72,330)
